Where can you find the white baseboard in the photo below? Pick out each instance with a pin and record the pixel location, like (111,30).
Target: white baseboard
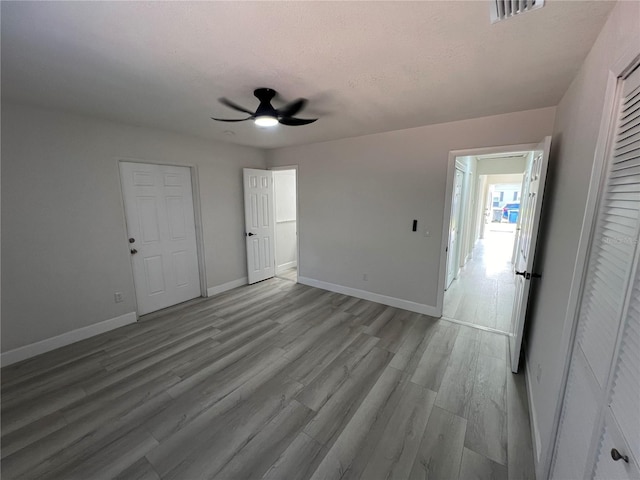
(227,286)
(373,297)
(286,266)
(43,346)
(535,432)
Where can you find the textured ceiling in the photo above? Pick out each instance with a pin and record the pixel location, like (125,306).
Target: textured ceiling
(366,67)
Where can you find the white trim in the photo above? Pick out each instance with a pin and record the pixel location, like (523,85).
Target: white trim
(197,216)
(43,346)
(533,418)
(373,297)
(227,286)
(286,266)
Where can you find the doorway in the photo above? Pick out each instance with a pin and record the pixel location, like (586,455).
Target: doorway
(271,223)
(286,222)
(480,284)
(494,266)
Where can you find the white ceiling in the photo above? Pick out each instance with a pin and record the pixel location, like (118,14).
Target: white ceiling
(366,67)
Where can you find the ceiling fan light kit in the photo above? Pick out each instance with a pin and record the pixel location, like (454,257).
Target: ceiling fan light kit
(266,121)
(266,115)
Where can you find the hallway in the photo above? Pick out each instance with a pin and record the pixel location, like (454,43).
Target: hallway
(484,290)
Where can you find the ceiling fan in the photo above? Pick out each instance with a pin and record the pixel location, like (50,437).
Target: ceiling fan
(266,115)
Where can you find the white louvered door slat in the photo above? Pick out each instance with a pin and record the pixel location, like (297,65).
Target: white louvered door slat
(613,246)
(625,390)
(607,311)
(606,468)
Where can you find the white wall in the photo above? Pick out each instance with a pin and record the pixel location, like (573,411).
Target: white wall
(512,178)
(64,245)
(358,197)
(500,166)
(285,203)
(574,139)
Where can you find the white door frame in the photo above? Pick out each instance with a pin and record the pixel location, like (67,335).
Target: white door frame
(451,167)
(290,167)
(197,217)
(625,64)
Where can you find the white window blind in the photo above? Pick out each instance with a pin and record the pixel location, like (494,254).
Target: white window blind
(615,239)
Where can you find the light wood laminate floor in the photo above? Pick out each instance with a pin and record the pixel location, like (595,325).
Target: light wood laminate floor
(484,291)
(289,274)
(272,381)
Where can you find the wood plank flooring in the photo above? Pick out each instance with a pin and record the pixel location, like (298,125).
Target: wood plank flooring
(271,381)
(289,274)
(484,291)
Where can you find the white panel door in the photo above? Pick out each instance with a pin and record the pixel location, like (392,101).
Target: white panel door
(158,204)
(523,194)
(454,229)
(259,224)
(530,209)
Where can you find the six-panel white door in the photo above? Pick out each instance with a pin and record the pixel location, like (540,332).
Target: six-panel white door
(530,210)
(259,224)
(158,203)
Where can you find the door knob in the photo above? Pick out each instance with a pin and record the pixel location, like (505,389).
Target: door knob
(524,274)
(133,251)
(616,455)
(131,240)
(250,234)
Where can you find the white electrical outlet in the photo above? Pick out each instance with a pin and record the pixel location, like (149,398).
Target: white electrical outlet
(117,297)
(365,277)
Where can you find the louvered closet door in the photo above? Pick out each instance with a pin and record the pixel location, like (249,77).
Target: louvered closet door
(621,428)
(609,274)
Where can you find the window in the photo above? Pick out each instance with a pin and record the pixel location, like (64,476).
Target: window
(515,195)
(502,196)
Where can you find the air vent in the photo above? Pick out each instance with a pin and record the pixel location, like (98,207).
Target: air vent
(503,9)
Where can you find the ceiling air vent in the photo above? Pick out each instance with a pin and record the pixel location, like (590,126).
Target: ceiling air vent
(503,9)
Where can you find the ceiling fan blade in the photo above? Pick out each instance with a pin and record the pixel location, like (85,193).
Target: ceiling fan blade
(230,120)
(292,108)
(235,106)
(294,122)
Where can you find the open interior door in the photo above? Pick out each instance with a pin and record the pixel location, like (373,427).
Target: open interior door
(530,209)
(453,263)
(523,194)
(259,224)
